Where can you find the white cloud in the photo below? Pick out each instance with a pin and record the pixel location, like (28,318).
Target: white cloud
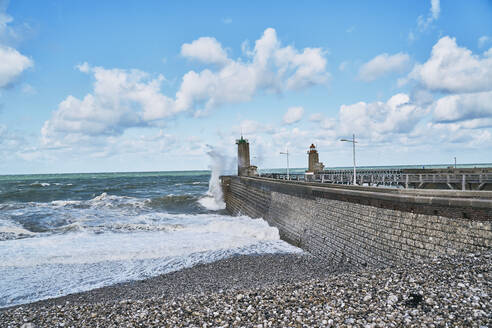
(4,18)
(11,142)
(401,123)
(253,127)
(383,64)
(324,122)
(435,10)
(424,22)
(271,68)
(158,142)
(84,67)
(7,33)
(316,117)
(293,115)
(308,67)
(205,49)
(445,134)
(120,99)
(374,120)
(454,69)
(123,99)
(463,107)
(227,20)
(483,40)
(12,64)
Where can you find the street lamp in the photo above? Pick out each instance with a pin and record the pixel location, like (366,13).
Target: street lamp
(287,154)
(353,144)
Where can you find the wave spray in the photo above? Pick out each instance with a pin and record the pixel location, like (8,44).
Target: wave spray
(214,199)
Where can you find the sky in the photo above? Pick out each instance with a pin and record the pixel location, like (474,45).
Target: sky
(111,86)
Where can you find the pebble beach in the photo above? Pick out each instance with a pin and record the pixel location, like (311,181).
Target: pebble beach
(289,290)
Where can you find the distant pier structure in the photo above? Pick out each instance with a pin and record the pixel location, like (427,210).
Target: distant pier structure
(244,167)
(446,178)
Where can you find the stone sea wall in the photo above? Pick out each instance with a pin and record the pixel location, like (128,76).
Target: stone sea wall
(364,226)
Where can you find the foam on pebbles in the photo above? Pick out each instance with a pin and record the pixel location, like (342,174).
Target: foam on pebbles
(445,292)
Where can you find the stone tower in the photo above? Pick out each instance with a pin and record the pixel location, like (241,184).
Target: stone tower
(243,163)
(314,165)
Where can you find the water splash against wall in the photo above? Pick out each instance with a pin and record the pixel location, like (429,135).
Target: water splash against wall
(220,164)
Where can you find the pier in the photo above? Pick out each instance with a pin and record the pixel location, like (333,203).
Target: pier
(421,213)
(453,179)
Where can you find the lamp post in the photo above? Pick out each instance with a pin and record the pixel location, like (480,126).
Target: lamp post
(287,154)
(353,145)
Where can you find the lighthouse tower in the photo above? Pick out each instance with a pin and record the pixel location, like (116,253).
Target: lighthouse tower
(314,165)
(242,156)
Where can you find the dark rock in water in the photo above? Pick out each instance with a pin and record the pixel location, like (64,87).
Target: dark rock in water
(414,300)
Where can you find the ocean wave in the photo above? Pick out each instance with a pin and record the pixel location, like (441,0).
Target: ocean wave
(174,203)
(29,284)
(118,227)
(132,227)
(211,203)
(188,234)
(61,203)
(8,232)
(105,200)
(40,184)
(107,213)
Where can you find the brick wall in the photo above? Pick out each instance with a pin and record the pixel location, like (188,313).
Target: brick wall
(362,228)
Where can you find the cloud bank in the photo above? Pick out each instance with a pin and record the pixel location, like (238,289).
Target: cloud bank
(383,64)
(454,69)
(293,115)
(12,62)
(122,99)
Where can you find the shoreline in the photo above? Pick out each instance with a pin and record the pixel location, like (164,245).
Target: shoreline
(238,271)
(282,290)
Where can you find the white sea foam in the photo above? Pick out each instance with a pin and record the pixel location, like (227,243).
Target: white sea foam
(37,268)
(10,230)
(60,203)
(105,200)
(40,184)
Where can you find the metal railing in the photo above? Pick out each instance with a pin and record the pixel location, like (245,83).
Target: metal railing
(393,177)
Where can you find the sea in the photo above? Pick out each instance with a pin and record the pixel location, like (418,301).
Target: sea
(67,233)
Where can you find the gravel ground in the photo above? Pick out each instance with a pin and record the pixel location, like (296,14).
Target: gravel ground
(282,291)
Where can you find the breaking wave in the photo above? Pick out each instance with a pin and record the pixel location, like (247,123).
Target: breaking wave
(61,235)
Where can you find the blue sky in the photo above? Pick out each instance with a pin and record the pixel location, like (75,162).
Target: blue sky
(90,86)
